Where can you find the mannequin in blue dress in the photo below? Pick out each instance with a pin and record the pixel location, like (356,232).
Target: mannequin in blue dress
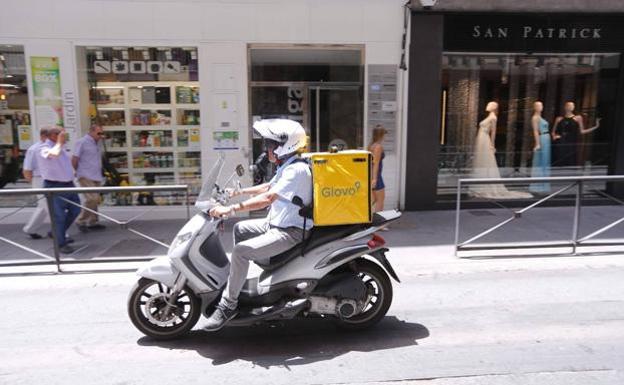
(541,149)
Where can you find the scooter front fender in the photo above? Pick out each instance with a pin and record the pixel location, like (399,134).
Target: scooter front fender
(159,269)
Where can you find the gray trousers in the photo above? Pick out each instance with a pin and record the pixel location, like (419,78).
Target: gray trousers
(255,240)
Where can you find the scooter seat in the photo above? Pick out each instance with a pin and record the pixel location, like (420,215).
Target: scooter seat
(322,235)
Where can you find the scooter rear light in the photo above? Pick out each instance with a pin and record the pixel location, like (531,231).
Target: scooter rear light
(376,241)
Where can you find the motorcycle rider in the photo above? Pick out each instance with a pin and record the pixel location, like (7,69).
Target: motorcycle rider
(283,228)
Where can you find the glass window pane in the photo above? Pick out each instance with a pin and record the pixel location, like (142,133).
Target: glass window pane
(569,133)
(15,124)
(306,65)
(147,100)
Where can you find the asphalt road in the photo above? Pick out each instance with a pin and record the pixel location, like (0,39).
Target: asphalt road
(563,324)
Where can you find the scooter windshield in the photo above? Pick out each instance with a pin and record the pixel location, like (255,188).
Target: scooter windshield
(211,180)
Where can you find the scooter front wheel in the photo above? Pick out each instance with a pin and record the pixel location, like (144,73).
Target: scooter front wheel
(152,312)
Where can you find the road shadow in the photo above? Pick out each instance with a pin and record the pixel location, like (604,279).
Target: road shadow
(295,342)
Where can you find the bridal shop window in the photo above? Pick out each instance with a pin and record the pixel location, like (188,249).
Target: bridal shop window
(569,133)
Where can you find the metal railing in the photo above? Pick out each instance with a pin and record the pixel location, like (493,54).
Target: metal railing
(575,241)
(50,193)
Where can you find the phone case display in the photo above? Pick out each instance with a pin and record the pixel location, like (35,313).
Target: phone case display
(104,96)
(142,117)
(188,117)
(148,95)
(115,139)
(158,138)
(152,159)
(111,117)
(152,136)
(187,95)
(189,138)
(189,159)
(119,160)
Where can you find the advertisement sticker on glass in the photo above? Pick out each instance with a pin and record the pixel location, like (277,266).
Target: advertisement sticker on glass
(225,140)
(194,139)
(154,67)
(120,67)
(47,91)
(6,133)
(24,136)
(102,67)
(137,67)
(171,67)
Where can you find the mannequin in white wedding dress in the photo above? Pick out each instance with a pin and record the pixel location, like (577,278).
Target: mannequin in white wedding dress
(484,163)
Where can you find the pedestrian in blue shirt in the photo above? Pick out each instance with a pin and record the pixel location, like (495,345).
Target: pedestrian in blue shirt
(57,171)
(87,161)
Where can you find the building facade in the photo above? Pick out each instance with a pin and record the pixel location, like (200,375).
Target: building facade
(466,55)
(176,82)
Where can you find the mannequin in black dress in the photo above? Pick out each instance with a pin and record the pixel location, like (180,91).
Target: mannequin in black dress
(565,135)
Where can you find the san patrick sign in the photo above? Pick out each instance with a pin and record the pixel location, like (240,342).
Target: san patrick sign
(529,33)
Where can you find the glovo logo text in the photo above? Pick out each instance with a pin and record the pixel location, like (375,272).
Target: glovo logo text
(336,192)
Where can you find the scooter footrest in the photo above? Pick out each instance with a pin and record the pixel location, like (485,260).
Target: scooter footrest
(286,311)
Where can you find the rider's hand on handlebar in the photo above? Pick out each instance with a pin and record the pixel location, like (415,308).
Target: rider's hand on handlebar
(220,211)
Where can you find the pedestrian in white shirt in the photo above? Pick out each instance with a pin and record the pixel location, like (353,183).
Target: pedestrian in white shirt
(57,171)
(87,161)
(33,175)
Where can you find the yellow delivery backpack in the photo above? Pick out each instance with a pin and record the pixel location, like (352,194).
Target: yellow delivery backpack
(342,188)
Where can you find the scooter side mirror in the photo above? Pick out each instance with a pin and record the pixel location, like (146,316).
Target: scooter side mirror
(240,170)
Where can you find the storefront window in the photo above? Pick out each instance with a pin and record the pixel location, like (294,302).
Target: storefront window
(492,95)
(15,129)
(147,100)
(320,87)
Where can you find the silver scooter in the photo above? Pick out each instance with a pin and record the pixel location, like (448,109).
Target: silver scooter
(340,272)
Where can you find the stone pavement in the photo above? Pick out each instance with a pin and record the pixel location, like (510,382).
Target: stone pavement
(485,321)
(429,235)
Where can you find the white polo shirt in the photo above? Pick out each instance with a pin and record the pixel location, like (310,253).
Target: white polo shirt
(55,168)
(290,180)
(30,159)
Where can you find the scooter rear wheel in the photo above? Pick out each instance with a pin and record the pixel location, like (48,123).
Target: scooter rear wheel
(147,304)
(380,290)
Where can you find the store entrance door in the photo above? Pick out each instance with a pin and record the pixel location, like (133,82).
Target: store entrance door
(334,117)
(331,115)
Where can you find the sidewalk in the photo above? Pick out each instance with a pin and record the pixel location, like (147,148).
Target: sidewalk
(427,237)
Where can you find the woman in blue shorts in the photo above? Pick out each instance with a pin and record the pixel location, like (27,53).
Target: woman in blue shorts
(376,148)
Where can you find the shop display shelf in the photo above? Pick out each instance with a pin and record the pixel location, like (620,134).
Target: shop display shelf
(187,149)
(147,127)
(153,169)
(110,107)
(151,107)
(151,149)
(177,168)
(186,106)
(187,169)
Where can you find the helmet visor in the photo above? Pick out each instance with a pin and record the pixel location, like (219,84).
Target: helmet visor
(270,145)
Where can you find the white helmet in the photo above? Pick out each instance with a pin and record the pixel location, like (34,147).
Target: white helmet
(288,135)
